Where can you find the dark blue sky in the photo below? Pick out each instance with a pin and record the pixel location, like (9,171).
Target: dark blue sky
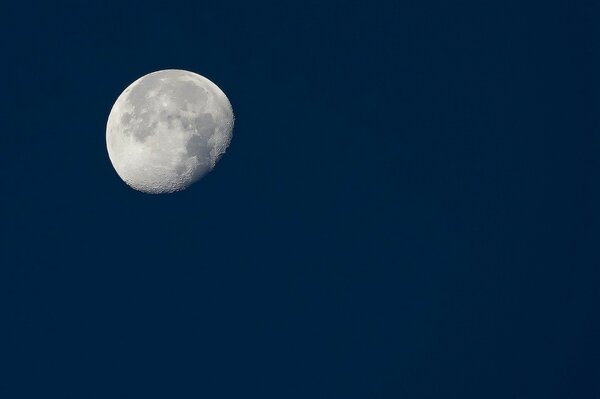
(409,207)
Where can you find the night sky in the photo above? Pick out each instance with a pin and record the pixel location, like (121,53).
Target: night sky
(409,208)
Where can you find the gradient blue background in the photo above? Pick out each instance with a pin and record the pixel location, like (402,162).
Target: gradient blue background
(410,207)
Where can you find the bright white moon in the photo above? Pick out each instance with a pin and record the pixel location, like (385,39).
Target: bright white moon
(167,130)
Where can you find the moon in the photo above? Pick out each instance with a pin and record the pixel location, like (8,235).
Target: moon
(167,130)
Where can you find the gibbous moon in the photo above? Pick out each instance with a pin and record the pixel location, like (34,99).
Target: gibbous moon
(167,130)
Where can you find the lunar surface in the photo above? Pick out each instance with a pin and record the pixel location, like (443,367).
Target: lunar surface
(167,130)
